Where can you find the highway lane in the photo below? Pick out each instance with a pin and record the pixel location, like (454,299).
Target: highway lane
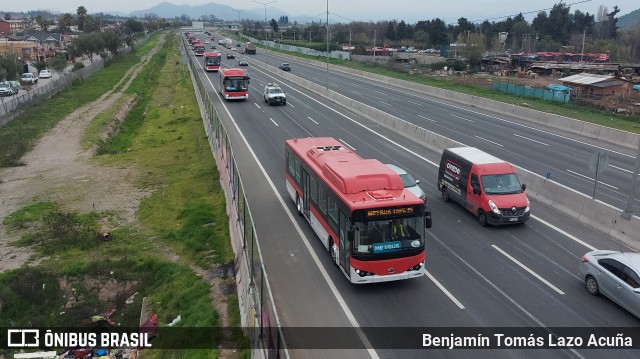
(541,150)
(468,261)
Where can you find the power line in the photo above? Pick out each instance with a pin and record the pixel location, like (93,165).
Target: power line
(528,12)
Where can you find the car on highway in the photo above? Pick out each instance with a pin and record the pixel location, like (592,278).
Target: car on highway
(613,274)
(409,182)
(213,47)
(207,42)
(29,78)
(6,89)
(285,66)
(273,94)
(45,74)
(243,63)
(230,55)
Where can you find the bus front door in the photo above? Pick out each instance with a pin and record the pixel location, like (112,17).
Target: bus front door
(306,196)
(345,248)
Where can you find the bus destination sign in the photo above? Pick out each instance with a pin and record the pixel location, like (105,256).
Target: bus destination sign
(384,212)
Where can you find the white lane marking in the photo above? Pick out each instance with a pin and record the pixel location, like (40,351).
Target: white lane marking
(528,139)
(255,103)
(484,139)
(525,126)
(415,103)
(289,103)
(346,144)
(312,120)
(426,118)
(341,302)
(378,91)
(388,104)
(591,179)
(575,239)
(444,290)
(355,92)
(274,122)
(521,265)
(462,118)
(622,169)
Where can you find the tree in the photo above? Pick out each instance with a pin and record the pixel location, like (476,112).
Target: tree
(10,67)
(64,22)
(58,63)
(111,41)
(7,16)
(91,24)
(390,32)
(42,22)
(82,14)
(283,20)
(274,25)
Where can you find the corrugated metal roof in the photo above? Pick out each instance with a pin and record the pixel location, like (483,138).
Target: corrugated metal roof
(608,83)
(586,79)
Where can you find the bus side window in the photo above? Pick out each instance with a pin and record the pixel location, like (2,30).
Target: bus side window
(322,199)
(313,190)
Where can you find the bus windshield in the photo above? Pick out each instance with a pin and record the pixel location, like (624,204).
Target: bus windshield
(501,184)
(235,84)
(385,236)
(213,61)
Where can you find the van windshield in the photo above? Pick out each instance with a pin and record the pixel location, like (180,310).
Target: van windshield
(501,184)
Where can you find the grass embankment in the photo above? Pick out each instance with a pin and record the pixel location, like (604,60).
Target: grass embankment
(19,136)
(182,223)
(608,119)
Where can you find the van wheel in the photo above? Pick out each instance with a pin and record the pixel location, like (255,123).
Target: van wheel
(482,218)
(445,194)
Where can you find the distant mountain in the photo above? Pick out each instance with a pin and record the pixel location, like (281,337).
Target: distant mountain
(629,20)
(168,10)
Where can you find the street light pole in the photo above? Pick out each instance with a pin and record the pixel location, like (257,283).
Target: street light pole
(265,28)
(375,32)
(327,84)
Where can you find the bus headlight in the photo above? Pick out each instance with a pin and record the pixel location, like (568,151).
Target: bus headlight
(416,243)
(493,207)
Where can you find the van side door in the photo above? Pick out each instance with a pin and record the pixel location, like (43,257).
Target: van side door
(473,199)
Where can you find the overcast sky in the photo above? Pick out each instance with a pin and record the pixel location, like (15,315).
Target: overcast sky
(347,10)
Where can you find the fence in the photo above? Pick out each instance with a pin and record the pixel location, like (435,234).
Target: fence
(31,95)
(257,308)
(529,91)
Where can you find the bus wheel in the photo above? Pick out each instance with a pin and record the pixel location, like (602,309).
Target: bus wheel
(445,194)
(482,218)
(332,252)
(298,205)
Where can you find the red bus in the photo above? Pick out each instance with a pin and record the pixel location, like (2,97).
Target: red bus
(373,228)
(212,61)
(199,49)
(234,84)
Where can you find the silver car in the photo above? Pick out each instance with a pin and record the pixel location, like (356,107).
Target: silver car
(409,182)
(615,275)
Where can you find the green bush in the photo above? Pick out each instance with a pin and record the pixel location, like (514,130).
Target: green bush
(77,66)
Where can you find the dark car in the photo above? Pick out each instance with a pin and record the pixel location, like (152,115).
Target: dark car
(230,55)
(285,67)
(243,63)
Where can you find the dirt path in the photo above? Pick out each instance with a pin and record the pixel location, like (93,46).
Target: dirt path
(59,170)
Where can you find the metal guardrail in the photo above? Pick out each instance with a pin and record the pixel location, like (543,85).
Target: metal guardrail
(257,308)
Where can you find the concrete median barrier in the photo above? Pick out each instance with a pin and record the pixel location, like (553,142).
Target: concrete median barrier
(595,214)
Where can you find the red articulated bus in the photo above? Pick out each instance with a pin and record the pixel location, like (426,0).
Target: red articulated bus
(234,84)
(373,228)
(212,61)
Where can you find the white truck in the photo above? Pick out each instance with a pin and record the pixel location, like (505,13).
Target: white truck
(228,42)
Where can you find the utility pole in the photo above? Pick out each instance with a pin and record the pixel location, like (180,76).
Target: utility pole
(628,212)
(375,32)
(584,33)
(265,27)
(327,80)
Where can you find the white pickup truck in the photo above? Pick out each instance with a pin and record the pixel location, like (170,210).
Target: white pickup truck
(28,78)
